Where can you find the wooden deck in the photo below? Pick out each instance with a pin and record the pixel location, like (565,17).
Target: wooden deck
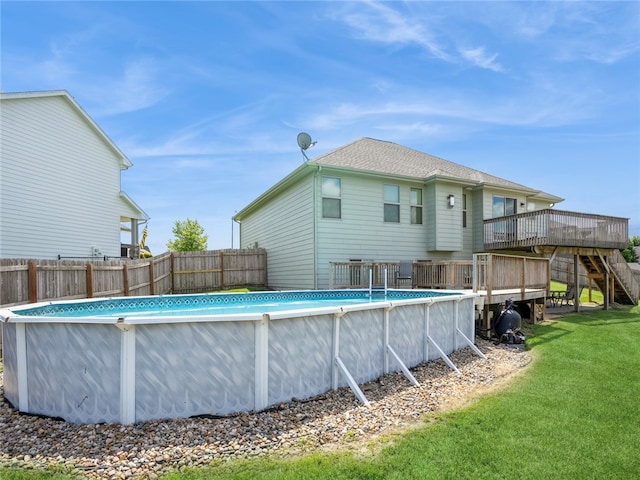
(593,240)
(496,277)
(555,228)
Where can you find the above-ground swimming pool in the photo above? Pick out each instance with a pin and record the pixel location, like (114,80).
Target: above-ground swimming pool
(131,359)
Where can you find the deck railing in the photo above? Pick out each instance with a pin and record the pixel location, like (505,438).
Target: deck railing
(487,272)
(625,275)
(361,274)
(449,275)
(556,227)
(493,272)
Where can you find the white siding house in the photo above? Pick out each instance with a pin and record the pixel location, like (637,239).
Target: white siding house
(374,200)
(60,181)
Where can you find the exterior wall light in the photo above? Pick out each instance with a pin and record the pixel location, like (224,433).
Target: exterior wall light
(451,201)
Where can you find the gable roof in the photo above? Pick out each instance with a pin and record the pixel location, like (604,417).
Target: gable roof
(122,158)
(380,157)
(132,208)
(136,211)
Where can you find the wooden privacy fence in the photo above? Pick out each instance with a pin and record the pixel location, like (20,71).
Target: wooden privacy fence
(562,270)
(195,272)
(29,281)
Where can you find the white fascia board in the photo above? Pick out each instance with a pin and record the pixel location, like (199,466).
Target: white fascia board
(134,205)
(124,161)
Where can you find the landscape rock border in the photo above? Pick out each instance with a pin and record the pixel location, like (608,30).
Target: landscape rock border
(335,420)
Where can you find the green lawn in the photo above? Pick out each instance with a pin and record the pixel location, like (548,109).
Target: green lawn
(573,415)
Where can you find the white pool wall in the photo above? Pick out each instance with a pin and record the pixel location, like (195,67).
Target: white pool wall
(132,370)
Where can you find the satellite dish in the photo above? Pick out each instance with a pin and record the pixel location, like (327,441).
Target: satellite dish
(304,140)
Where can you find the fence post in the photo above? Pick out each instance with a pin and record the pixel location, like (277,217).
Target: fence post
(89,280)
(125,279)
(172,269)
(33,282)
(265,273)
(221,269)
(152,279)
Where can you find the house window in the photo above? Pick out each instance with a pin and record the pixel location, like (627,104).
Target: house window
(331,193)
(464,210)
(416,206)
(503,206)
(392,203)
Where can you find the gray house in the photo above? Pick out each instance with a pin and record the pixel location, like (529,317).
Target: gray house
(374,200)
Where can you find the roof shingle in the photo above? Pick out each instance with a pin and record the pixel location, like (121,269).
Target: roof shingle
(381,156)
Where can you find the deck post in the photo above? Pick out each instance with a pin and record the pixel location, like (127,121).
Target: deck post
(576,279)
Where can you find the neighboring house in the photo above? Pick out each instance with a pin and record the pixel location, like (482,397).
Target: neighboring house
(60,190)
(374,200)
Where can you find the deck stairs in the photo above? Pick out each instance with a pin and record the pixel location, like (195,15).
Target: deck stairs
(625,286)
(593,240)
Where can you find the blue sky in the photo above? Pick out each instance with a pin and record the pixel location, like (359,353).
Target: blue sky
(207,98)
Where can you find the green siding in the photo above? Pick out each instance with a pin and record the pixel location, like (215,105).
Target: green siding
(284,227)
(477,220)
(361,233)
(445,228)
(291,228)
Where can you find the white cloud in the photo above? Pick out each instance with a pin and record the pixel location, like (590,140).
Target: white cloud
(413,129)
(478,57)
(429,31)
(136,88)
(386,25)
(538,105)
(82,62)
(601,32)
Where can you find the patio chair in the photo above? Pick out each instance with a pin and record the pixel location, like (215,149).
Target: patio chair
(404,273)
(569,295)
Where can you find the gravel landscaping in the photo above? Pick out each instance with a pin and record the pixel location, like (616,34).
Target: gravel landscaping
(329,421)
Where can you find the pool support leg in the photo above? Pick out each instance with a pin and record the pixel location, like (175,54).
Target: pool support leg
(352,383)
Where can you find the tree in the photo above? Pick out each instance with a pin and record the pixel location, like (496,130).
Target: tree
(189,237)
(629,253)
